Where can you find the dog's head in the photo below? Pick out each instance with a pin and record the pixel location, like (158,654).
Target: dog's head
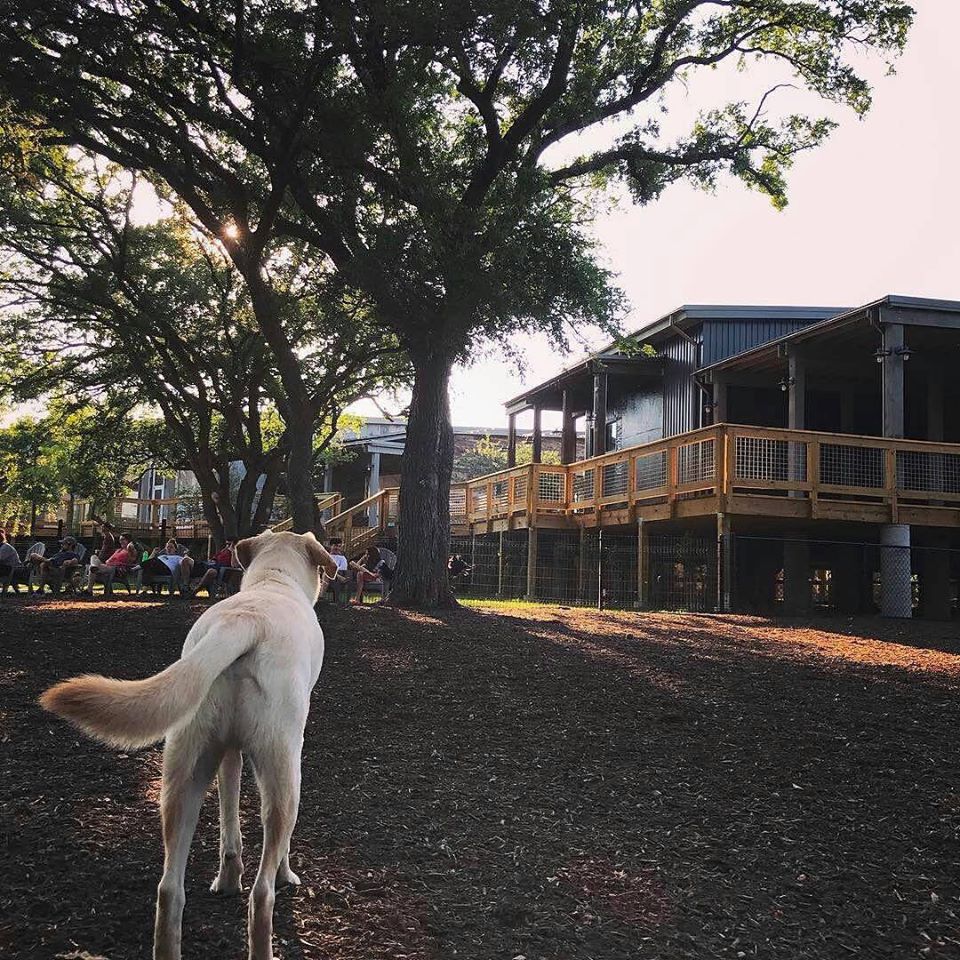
(300,555)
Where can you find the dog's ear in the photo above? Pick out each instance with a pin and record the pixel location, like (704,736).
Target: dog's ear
(247,550)
(318,556)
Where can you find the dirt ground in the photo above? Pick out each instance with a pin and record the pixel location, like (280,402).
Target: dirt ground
(534,782)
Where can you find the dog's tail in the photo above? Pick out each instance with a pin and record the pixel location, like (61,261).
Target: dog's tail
(134,713)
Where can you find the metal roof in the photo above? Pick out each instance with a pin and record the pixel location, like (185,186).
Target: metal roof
(763,354)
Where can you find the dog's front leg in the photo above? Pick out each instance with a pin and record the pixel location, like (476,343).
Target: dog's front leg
(278,773)
(231,841)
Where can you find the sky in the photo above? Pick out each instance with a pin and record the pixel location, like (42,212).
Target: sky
(874,211)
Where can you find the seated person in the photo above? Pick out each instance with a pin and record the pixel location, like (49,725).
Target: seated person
(168,561)
(9,559)
(340,580)
(122,560)
(222,566)
(377,564)
(59,566)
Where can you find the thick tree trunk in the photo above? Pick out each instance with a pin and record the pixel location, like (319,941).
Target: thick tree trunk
(420,580)
(300,476)
(268,493)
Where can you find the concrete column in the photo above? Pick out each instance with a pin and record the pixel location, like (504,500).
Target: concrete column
(568,433)
(796,575)
(895,586)
(537,435)
(892,380)
(599,414)
(373,486)
(532,557)
(936,595)
(512,440)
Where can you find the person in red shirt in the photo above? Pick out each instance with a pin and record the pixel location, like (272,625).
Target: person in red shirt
(122,560)
(223,565)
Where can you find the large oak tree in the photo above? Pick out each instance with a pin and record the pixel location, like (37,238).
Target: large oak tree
(442,157)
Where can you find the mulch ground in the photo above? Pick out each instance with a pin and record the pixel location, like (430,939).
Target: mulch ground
(533,783)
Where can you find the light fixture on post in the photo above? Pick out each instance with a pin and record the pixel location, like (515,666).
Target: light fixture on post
(880,354)
(786,383)
(902,351)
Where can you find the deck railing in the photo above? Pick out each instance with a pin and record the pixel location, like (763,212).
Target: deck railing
(724,461)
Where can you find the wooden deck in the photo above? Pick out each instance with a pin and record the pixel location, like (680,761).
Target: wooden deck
(725,469)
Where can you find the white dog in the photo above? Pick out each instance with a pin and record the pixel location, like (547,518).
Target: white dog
(242,685)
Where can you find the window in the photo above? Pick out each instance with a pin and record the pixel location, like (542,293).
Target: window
(614,434)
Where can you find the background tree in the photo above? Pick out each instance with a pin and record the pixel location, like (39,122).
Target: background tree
(489,456)
(443,159)
(154,315)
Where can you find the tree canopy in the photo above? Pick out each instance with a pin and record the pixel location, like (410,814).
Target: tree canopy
(443,159)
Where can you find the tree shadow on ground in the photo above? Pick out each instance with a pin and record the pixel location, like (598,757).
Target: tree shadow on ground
(555,784)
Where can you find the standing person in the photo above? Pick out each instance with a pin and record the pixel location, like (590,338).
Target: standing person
(108,544)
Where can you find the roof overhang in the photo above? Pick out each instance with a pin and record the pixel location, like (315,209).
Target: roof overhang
(861,322)
(549,394)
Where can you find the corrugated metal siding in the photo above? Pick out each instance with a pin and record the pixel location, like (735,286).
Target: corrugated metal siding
(727,338)
(681,405)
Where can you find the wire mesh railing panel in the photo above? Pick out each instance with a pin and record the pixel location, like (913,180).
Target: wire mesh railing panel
(847,465)
(929,471)
(520,490)
(458,504)
(696,461)
(478,498)
(583,485)
(651,471)
(768,459)
(551,487)
(615,479)
(501,495)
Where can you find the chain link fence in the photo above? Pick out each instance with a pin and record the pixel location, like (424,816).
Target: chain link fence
(799,575)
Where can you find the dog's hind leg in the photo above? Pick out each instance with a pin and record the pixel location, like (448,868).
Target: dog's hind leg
(231,842)
(188,768)
(278,774)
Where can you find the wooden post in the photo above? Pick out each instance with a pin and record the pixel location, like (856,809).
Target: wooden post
(892,360)
(537,435)
(724,563)
(643,564)
(719,398)
(568,434)
(599,413)
(532,544)
(512,440)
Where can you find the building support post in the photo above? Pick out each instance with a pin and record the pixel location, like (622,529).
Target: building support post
(643,565)
(500,566)
(796,576)
(936,598)
(896,590)
(720,414)
(892,357)
(724,563)
(796,417)
(599,413)
(537,435)
(373,486)
(512,440)
(568,431)
(532,545)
